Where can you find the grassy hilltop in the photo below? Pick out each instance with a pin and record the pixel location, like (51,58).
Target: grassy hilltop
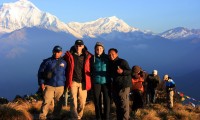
(29,110)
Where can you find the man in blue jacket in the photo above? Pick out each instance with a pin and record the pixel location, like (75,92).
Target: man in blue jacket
(170,86)
(51,79)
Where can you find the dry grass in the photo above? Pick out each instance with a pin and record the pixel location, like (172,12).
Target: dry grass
(186,112)
(15,111)
(30,110)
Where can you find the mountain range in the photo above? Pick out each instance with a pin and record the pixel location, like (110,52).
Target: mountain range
(27,36)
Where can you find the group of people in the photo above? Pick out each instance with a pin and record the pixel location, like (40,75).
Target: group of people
(145,88)
(108,75)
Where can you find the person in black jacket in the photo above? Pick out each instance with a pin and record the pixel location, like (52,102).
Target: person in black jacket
(120,74)
(152,83)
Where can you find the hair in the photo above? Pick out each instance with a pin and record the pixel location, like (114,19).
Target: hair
(114,49)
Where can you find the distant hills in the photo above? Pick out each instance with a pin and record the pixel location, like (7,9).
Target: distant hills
(27,36)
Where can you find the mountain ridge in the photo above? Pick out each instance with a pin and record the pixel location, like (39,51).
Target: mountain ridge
(13,18)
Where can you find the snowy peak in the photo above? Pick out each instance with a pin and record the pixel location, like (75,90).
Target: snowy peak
(23,13)
(20,3)
(19,14)
(101,26)
(180,32)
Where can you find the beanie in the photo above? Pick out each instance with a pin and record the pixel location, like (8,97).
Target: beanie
(136,69)
(98,44)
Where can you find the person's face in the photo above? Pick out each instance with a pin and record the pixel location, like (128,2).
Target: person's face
(99,50)
(112,55)
(79,47)
(57,54)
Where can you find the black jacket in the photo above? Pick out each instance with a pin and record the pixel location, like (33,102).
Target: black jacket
(120,81)
(152,81)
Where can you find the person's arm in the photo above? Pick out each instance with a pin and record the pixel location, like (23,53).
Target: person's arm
(126,70)
(41,71)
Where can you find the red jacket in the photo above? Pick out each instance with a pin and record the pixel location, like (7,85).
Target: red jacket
(137,84)
(70,68)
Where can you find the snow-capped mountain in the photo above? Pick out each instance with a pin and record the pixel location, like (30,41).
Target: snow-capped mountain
(23,13)
(101,26)
(181,33)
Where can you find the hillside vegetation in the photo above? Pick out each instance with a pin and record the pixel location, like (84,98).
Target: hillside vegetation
(28,109)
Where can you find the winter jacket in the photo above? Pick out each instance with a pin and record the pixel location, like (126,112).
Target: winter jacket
(99,69)
(138,84)
(59,72)
(120,81)
(86,82)
(152,81)
(170,85)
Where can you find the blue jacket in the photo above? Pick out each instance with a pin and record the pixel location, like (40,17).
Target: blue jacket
(59,72)
(170,83)
(99,69)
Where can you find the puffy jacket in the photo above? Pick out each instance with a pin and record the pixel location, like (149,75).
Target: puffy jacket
(59,72)
(99,69)
(70,68)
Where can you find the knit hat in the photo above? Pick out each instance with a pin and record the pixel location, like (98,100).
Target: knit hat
(98,44)
(136,69)
(155,72)
(165,77)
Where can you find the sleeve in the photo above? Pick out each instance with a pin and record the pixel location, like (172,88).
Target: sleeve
(92,66)
(173,83)
(41,72)
(126,68)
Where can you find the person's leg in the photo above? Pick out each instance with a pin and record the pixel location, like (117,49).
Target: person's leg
(48,98)
(58,99)
(152,95)
(82,99)
(148,96)
(117,101)
(106,101)
(66,97)
(97,93)
(73,105)
(171,95)
(140,99)
(134,97)
(124,108)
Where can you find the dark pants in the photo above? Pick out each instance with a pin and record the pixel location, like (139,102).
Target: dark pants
(137,97)
(102,101)
(151,96)
(121,99)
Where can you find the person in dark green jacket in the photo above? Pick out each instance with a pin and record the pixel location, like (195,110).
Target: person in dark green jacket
(100,82)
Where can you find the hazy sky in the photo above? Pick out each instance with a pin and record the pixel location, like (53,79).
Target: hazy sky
(154,15)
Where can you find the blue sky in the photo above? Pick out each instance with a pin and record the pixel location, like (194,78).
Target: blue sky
(154,15)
